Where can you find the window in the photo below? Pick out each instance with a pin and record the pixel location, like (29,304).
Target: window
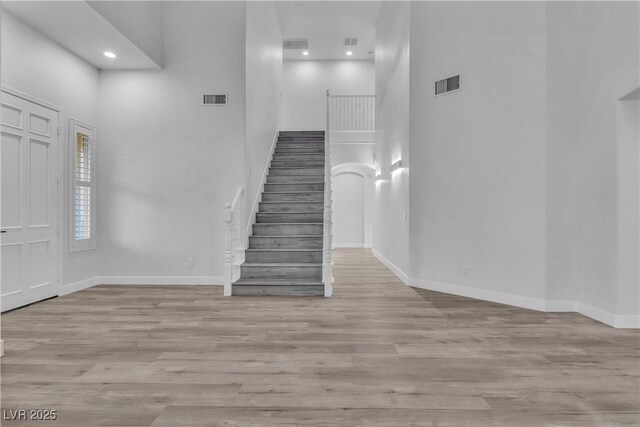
(83,184)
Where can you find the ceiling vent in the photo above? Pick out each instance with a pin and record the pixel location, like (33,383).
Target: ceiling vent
(351,42)
(220,99)
(447,85)
(296,44)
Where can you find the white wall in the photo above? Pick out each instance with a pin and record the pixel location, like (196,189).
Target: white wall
(524,184)
(562,151)
(263,90)
(628,127)
(478,155)
(592,154)
(305,84)
(605,76)
(33,64)
(167,163)
(391,218)
(139,21)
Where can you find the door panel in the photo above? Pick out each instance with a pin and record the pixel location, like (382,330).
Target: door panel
(11,172)
(29,147)
(39,185)
(11,268)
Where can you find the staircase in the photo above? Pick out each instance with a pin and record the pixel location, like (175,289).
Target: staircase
(284,256)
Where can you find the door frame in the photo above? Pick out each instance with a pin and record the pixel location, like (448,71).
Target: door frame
(59,178)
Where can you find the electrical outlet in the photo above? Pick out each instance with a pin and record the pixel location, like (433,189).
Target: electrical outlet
(466,272)
(190,263)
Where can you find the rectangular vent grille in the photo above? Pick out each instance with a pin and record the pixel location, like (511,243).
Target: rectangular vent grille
(447,85)
(214,99)
(296,44)
(351,42)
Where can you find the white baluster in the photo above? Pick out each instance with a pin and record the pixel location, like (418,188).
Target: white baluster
(228,250)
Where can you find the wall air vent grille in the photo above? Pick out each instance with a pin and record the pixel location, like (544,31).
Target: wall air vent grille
(447,85)
(214,99)
(296,44)
(351,42)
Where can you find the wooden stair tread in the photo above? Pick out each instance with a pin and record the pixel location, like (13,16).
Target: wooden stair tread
(291,192)
(288,223)
(285,235)
(282,264)
(281,250)
(277,282)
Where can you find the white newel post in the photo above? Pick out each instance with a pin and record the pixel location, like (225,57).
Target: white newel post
(327,262)
(228,250)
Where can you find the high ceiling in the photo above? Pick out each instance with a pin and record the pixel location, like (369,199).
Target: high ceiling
(81,29)
(326,24)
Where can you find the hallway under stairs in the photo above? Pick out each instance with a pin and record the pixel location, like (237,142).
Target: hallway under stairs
(284,256)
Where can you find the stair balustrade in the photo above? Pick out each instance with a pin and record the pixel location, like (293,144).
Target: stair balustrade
(351,112)
(327,258)
(234,241)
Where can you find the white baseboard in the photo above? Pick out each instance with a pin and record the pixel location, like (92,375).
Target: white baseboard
(626,321)
(161,280)
(549,306)
(139,280)
(401,275)
(78,286)
(482,294)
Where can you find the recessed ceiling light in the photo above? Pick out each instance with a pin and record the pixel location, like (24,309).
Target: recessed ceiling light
(109,54)
(305,53)
(349,53)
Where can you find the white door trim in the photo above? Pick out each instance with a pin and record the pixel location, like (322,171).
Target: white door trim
(60,177)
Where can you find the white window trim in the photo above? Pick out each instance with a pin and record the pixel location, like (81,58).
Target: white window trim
(85,244)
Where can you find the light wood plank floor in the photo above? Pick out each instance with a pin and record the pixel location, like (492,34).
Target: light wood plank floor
(376,354)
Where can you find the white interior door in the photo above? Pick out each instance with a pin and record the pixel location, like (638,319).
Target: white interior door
(29,202)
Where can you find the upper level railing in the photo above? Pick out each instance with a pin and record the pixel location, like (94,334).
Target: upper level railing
(351,112)
(233,241)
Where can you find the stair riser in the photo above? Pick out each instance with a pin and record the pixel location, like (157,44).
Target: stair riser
(291,207)
(300,143)
(284,257)
(292,157)
(319,138)
(281,272)
(292,197)
(296,171)
(301,132)
(294,187)
(272,217)
(273,290)
(287,229)
(297,163)
(284,179)
(300,146)
(297,150)
(266,242)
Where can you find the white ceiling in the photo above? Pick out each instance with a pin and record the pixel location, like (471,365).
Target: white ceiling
(79,28)
(326,24)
